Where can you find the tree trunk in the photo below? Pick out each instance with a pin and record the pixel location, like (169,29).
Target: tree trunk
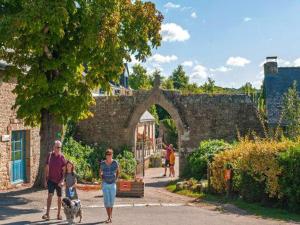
(49,132)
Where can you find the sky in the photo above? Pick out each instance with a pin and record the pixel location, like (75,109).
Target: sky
(227,40)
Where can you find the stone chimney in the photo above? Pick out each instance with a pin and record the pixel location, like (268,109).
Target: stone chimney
(271,65)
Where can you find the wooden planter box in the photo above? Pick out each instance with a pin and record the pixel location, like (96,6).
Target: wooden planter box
(130,188)
(88,187)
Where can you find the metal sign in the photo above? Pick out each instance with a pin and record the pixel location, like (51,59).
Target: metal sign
(125,186)
(5,138)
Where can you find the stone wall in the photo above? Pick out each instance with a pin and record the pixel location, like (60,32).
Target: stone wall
(198,117)
(9,123)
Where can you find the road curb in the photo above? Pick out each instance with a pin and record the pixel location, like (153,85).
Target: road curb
(134,205)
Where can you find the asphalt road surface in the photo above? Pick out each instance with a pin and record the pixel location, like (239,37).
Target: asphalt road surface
(147,215)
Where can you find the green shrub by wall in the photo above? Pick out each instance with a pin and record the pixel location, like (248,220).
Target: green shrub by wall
(127,164)
(290,178)
(197,162)
(86,159)
(248,188)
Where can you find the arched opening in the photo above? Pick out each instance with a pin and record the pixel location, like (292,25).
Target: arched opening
(156,132)
(157,99)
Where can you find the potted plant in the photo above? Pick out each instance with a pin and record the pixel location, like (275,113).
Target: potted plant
(155,161)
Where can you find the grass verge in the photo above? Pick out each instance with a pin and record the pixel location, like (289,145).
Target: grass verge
(172,188)
(251,208)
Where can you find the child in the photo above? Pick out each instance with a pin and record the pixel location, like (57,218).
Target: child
(172,163)
(70,181)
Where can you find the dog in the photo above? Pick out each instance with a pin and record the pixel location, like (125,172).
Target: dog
(72,210)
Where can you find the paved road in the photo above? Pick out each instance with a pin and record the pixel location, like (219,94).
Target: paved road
(151,215)
(26,206)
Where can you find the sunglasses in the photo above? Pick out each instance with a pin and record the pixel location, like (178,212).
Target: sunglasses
(58,147)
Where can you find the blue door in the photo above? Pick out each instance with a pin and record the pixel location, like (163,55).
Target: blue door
(18,156)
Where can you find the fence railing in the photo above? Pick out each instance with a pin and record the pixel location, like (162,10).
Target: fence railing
(148,148)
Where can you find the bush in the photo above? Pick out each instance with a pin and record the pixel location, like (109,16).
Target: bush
(78,154)
(290,178)
(197,162)
(257,159)
(249,189)
(127,164)
(94,157)
(87,158)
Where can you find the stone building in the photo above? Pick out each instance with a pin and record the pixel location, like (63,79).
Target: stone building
(277,81)
(117,88)
(19,144)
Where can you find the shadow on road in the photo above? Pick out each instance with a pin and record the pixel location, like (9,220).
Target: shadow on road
(17,192)
(8,212)
(157,184)
(50,222)
(11,199)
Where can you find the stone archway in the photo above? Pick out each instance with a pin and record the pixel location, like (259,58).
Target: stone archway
(198,117)
(155,98)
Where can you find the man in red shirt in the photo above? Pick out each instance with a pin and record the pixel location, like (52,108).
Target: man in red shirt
(167,158)
(54,177)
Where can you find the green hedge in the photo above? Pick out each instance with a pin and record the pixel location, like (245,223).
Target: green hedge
(248,188)
(290,179)
(197,162)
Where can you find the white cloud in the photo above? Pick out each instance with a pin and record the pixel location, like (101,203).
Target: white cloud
(222,69)
(153,67)
(171,5)
(186,8)
(134,60)
(247,19)
(172,32)
(282,62)
(257,83)
(188,63)
(194,15)
(297,62)
(199,73)
(237,61)
(158,58)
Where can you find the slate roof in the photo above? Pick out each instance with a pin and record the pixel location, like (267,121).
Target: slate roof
(275,86)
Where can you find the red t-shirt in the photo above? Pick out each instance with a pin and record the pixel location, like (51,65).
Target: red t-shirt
(168,153)
(56,164)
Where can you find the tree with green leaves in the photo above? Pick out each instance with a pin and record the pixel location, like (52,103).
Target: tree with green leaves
(179,77)
(248,89)
(60,50)
(209,86)
(291,111)
(139,79)
(152,110)
(152,76)
(192,89)
(167,84)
